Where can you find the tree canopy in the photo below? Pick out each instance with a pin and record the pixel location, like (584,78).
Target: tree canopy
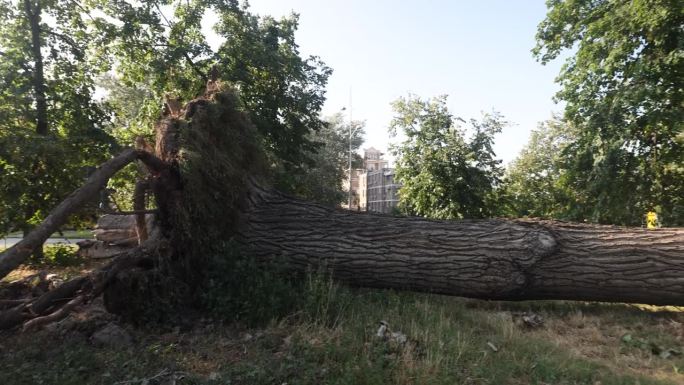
(56,53)
(623,89)
(443,175)
(323,180)
(537,180)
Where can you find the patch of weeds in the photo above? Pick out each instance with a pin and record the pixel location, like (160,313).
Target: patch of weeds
(658,349)
(59,255)
(323,302)
(240,289)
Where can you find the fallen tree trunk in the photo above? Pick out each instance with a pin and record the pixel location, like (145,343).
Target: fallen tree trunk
(207,173)
(488,259)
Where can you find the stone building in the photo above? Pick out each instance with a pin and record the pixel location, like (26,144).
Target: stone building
(355,189)
(381,191)
(372,159)
(377,191)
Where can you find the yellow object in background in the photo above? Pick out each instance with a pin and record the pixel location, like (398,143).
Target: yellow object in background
(652,220)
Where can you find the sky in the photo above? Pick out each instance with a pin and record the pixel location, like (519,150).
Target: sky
(476,51)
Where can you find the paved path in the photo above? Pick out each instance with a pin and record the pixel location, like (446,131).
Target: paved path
(9,242)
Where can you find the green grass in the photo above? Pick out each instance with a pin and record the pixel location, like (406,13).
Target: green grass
(333,340)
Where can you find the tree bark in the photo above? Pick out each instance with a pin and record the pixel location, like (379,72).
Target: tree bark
(141,187)
(489,259)
(33,12)
(33,15)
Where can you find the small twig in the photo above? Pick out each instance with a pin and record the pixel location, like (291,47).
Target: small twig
(164,372)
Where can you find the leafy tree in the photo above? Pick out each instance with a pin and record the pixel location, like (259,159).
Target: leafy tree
(284,91)
(51,129)
(623,92)
(536,179)
(159,46)
(443,175)
(132,107)
(323,181)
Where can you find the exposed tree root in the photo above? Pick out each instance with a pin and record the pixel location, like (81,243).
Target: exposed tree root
(57,315)
(56,297)
(10,303)
(33,312)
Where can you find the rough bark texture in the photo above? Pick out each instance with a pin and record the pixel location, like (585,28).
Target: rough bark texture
(139,205)
(33,14)
(490,259)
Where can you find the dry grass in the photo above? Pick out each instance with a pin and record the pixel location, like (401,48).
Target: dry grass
(599,338)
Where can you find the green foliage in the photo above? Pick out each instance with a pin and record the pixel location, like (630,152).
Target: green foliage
(41,165)
(59,255)
(443,175)
(322,180)
(623,92)
(537,182)
(132,106)
(240,289)
(283,91)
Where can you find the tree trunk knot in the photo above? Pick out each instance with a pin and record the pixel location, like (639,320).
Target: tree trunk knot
(538,244)
(541,244)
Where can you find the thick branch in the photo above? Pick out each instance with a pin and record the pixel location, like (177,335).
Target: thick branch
(154,164)
(76,49)
(14,256)
(141,187)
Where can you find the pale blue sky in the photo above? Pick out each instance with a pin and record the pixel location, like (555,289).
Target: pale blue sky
(476,51)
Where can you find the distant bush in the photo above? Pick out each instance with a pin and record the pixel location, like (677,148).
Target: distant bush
(59,255)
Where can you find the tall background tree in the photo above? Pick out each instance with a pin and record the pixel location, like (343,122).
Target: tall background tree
(323,180)
(536,182)
(443,175)
(623,89)
(51,129)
